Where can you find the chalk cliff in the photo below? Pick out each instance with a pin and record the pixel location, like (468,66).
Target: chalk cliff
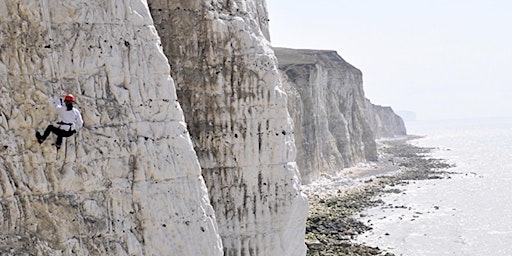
(335,126)
(385,123)
(144,177)
(235,108)
(129,183)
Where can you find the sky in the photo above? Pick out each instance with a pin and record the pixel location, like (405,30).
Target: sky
(442,59)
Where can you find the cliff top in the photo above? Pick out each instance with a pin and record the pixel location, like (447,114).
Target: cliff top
(288,56)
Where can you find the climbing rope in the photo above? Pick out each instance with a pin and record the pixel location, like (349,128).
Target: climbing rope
(54,66)
(55,72)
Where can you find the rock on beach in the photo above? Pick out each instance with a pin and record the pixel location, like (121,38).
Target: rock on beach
(337,202)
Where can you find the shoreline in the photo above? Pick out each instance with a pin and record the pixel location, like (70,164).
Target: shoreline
(336,202)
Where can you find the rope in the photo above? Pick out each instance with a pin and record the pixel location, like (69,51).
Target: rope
(65,150)
(76,146)
(45,11)
(55,72)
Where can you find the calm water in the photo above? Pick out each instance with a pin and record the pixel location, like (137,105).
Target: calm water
(469,214)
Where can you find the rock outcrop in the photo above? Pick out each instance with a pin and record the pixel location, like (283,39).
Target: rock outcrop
(129,183)
(334,125)
(235,108)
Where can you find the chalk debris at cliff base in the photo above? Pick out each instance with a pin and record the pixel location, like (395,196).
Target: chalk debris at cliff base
(333,221)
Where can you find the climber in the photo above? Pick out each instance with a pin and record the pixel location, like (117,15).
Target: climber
(71,119)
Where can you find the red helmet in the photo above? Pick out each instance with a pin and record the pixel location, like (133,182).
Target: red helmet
(70,97)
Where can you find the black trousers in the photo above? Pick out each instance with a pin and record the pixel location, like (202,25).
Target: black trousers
(60,133)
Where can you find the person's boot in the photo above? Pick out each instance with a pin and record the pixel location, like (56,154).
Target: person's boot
(39,137)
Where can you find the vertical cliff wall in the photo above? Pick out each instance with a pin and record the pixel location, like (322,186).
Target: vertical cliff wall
(384,121)
(129,183)
(327,103)
(229,86)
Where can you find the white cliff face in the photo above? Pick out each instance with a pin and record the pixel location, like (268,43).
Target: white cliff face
(328,106)
(129,182)
(384,121)
(231,93)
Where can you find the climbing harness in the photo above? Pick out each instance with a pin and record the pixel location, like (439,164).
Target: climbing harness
(67,124)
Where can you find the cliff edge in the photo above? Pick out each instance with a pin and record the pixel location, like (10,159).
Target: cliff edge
(335,125)
(235,107)
(384,121)
(327,103)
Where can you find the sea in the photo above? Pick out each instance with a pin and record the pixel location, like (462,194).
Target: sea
(469,213)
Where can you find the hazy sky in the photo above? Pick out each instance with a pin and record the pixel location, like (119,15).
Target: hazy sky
(439,58)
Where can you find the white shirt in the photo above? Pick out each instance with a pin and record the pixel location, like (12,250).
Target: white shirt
(72,117)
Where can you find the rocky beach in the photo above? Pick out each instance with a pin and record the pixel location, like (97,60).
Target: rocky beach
(337,202)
